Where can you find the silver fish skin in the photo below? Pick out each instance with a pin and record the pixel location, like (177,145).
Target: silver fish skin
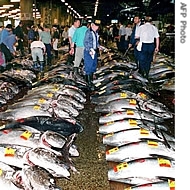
(6,177)
(76,104)
(36,177)
(140,149)
(25,111)
(153,105)
(127,136)
(13,155)
(124,124)
(117,105)
(145,168)
(48,160)
(119,95)
(30,102)
(115,126)
(31,137)
(129,114)
(160,185)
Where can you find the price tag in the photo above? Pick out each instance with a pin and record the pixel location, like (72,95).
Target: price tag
(164,163)
(123,95)
(112,150)
(104,87)
(9,152)
(41,101)
(98,84)
(108,135)
(128,188)
(109,123)
(122,73)
(50,95)
(26,135)
(36,107)
(62,75)
(101,92)
(152,144)
(55,89)
(120,167)
(143,96)
(130,112)
(1,172)
(132,102)
(171,184)
(132,122)
(144,131)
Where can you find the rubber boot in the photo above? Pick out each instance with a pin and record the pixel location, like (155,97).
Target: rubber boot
(56,54)
(92,87)
(41,66)
(35,65)
(49,61)
(76,70)
(87,79)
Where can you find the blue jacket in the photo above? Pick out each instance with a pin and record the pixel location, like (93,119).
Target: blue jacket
(10,41)
(90,41)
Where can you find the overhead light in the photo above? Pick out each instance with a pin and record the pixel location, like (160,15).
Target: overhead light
(63,1)
(15,1)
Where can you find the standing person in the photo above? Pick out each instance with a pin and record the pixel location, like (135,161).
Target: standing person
(31,37)
(38,50)
(8,47)
(65,37)
(71,32)
(55,39)
(18,31)
(147,35)
(133,41)
(128,34)
(91,45)
(6,32)
(78,40)
(121,38)
(45,37)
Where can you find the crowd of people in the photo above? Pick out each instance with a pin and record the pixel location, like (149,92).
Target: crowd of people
(83,41)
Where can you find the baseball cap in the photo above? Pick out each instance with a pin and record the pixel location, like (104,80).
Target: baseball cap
(96,22)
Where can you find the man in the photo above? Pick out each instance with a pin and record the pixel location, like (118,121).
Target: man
(38,49)
(78,40)
(8,47)
(91,45)
(71,32)
(45,37)
(121,38)
(31,37)
(55,39)
(18,31)
(6,32)
(149,42)
(133,41)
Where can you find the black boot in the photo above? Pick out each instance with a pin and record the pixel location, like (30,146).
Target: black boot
(56,53)
(91,83)
(41,66)
(76,70)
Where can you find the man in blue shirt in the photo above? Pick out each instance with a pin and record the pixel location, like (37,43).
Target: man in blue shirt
(78,40)
(6,32)
(8,47)
(91,45)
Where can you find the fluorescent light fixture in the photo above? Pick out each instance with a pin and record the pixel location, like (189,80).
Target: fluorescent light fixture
(14,1)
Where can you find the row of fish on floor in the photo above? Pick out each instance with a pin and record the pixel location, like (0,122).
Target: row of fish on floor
(39,129)
(139,144)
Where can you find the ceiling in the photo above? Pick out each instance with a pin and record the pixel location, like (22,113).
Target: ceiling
(121,8)
(113,9)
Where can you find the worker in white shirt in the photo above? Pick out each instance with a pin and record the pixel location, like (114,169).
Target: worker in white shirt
(38,50)
(149,42)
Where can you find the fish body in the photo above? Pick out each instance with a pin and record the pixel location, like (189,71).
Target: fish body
(131,135)
(145,169)
(140,149)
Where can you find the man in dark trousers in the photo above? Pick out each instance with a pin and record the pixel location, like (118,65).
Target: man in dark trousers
(18,31)
(133,41)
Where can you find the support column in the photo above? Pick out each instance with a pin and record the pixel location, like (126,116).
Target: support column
(26,13)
